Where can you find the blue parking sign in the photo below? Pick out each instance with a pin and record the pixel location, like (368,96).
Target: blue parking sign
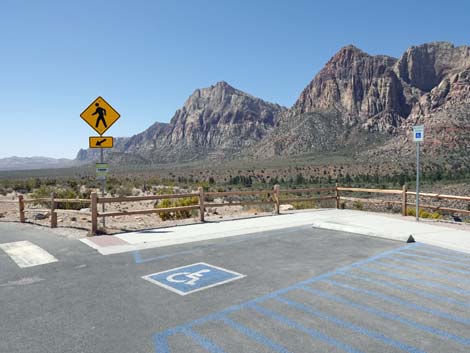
(192,278)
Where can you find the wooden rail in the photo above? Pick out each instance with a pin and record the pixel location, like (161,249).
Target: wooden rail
(272,194)
(440,196)
(440,208)
(53,210)
(155,210)
(380,191)
(296,191)
(145,198)
(268,197)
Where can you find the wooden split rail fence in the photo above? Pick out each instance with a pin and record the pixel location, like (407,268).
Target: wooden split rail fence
(272,197)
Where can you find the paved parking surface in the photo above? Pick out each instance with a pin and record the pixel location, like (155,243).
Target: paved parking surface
(413,299)
(294,290)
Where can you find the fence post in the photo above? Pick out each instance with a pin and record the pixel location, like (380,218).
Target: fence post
(201,203)
(21,205)
(53,212)
(337,195)
(94,213)
(404,201)
(277,198)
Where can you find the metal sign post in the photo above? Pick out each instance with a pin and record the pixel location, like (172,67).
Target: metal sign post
(101,174)
(418,137)
(103,188)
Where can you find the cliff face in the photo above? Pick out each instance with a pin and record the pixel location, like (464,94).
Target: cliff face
(219,120)
(364,88)
(425,66)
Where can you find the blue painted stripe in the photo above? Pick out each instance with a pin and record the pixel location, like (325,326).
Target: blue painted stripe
(430,284)
(234,308)
(161,342)
(433,274)
(137,257)
(255,335)
(203,341)
(342,323)
(346,268)
(448,262)
(402,302)
(419,292)
(389,316)
(310,331)
(456,255)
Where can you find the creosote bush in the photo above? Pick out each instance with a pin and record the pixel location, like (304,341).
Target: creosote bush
(358,205)
(44,192)
(423,213)
(172,215)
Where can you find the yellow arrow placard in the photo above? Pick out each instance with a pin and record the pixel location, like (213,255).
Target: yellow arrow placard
(100,115)
(101,142)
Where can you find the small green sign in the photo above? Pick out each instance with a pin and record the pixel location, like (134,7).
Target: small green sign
(102,170)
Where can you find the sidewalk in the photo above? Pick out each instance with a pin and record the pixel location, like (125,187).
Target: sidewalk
(397,228)
(358,222)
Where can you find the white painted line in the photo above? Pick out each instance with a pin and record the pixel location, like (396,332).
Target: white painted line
(26,254)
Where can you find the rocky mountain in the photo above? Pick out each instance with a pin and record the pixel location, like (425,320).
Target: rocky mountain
(27,163)
(366,105)
(439,74)
(361,104)
(365,89)
(215,122)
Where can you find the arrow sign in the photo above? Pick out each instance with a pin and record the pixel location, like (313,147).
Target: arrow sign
(101,142)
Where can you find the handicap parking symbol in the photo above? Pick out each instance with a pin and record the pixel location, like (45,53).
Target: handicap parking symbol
(192,278)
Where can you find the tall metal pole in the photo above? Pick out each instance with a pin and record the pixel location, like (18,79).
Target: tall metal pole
(417,181)
(103,188)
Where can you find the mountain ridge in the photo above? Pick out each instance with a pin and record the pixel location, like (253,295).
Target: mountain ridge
(360,103)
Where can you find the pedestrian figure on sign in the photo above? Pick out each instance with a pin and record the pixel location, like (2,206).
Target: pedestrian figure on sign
(101,114)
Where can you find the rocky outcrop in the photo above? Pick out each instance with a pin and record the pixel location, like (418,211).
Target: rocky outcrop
(220,120)
(364,88)
(425,66)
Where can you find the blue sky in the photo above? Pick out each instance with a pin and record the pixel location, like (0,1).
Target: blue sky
(146,57)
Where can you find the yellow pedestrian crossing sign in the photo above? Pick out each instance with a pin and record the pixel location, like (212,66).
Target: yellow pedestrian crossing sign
(100,115)
(101,142)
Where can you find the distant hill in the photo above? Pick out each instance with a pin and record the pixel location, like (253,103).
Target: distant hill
(361,104)
(25,163)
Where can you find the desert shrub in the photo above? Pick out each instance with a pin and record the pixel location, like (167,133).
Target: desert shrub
(44,192)
(423,213)
(258,208)
(302,205)
(358,205)
(171,215)
(122,191)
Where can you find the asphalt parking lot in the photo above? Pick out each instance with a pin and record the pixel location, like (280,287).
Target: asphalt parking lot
(294,290)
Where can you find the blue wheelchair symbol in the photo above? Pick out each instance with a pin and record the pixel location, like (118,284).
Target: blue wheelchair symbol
(418,135)
(192,278)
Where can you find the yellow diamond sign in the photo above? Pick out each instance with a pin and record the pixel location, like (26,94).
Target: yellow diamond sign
(100,115)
